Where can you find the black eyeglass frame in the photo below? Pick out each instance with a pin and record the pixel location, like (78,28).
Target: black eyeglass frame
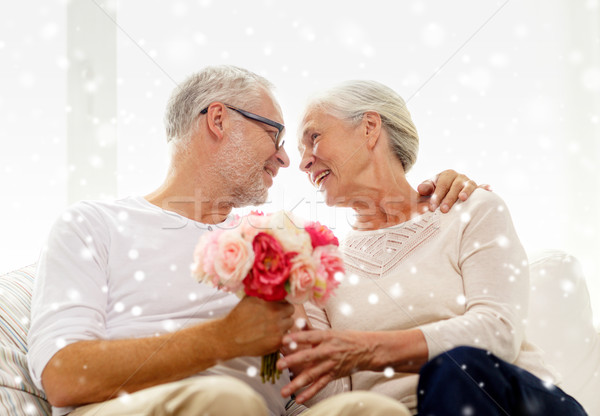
(278,141)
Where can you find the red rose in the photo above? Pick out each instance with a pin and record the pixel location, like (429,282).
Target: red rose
(270,270)
(320,235)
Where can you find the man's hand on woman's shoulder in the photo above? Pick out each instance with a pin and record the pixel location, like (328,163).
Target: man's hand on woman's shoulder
(448,187)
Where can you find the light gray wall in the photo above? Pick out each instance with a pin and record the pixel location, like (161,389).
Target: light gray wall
(91,100)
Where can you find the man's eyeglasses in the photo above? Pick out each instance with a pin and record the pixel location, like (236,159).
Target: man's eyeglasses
(278,138)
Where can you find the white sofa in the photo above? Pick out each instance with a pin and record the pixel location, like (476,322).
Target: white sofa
(560,322)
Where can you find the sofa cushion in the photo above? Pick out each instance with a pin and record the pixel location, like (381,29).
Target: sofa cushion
(18,394)
(561,323)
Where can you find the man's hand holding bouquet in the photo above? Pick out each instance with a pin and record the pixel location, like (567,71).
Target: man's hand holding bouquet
(274,257)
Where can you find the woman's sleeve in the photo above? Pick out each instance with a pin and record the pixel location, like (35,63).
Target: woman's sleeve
(318,320)
(495,275)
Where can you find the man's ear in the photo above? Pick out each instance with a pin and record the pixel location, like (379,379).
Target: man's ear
(371,126)
(217,119)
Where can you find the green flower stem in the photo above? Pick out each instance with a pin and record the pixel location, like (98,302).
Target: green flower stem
(268,368)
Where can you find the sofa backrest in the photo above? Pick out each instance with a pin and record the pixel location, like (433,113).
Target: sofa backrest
(18,394)
(560,322)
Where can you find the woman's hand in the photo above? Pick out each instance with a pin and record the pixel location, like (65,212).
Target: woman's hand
(301,323)
(334,354)
(448,187)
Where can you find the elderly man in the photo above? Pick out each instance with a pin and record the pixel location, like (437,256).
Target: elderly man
(120,327)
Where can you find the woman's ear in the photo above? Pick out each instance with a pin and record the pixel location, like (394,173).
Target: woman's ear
(372,128)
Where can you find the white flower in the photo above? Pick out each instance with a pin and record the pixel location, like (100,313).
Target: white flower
(290,233)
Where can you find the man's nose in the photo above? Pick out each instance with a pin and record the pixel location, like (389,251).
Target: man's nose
(282,157)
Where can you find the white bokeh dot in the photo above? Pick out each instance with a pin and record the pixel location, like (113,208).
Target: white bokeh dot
(502,241)
(30,409)
(567,285)
(396,290)
(73,295)
(139,275)
(169,325)
(86,253)
(346,309)
(251,371)
(467,411)
(124,397)
(300,323)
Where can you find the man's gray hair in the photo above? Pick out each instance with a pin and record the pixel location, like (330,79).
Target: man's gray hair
(225,83)
(352,99)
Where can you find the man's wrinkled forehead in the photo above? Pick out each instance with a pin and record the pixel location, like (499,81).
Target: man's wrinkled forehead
(271,105)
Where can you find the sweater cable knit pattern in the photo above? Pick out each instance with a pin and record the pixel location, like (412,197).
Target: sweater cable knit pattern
(377,253)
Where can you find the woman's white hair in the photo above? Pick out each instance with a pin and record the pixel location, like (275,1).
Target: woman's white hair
(225,83)
(352,99)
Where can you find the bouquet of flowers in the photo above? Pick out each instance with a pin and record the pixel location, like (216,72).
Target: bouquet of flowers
(273,257)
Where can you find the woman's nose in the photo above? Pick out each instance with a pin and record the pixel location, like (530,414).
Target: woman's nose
(306,162)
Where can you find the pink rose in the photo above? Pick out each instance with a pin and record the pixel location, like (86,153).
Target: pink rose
(270,270)
(230,223)
(233,261)
(320,235)
(253,224)
(329,264)
(302,279)
(204,253)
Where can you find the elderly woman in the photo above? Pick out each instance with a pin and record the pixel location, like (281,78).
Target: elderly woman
(419,285)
